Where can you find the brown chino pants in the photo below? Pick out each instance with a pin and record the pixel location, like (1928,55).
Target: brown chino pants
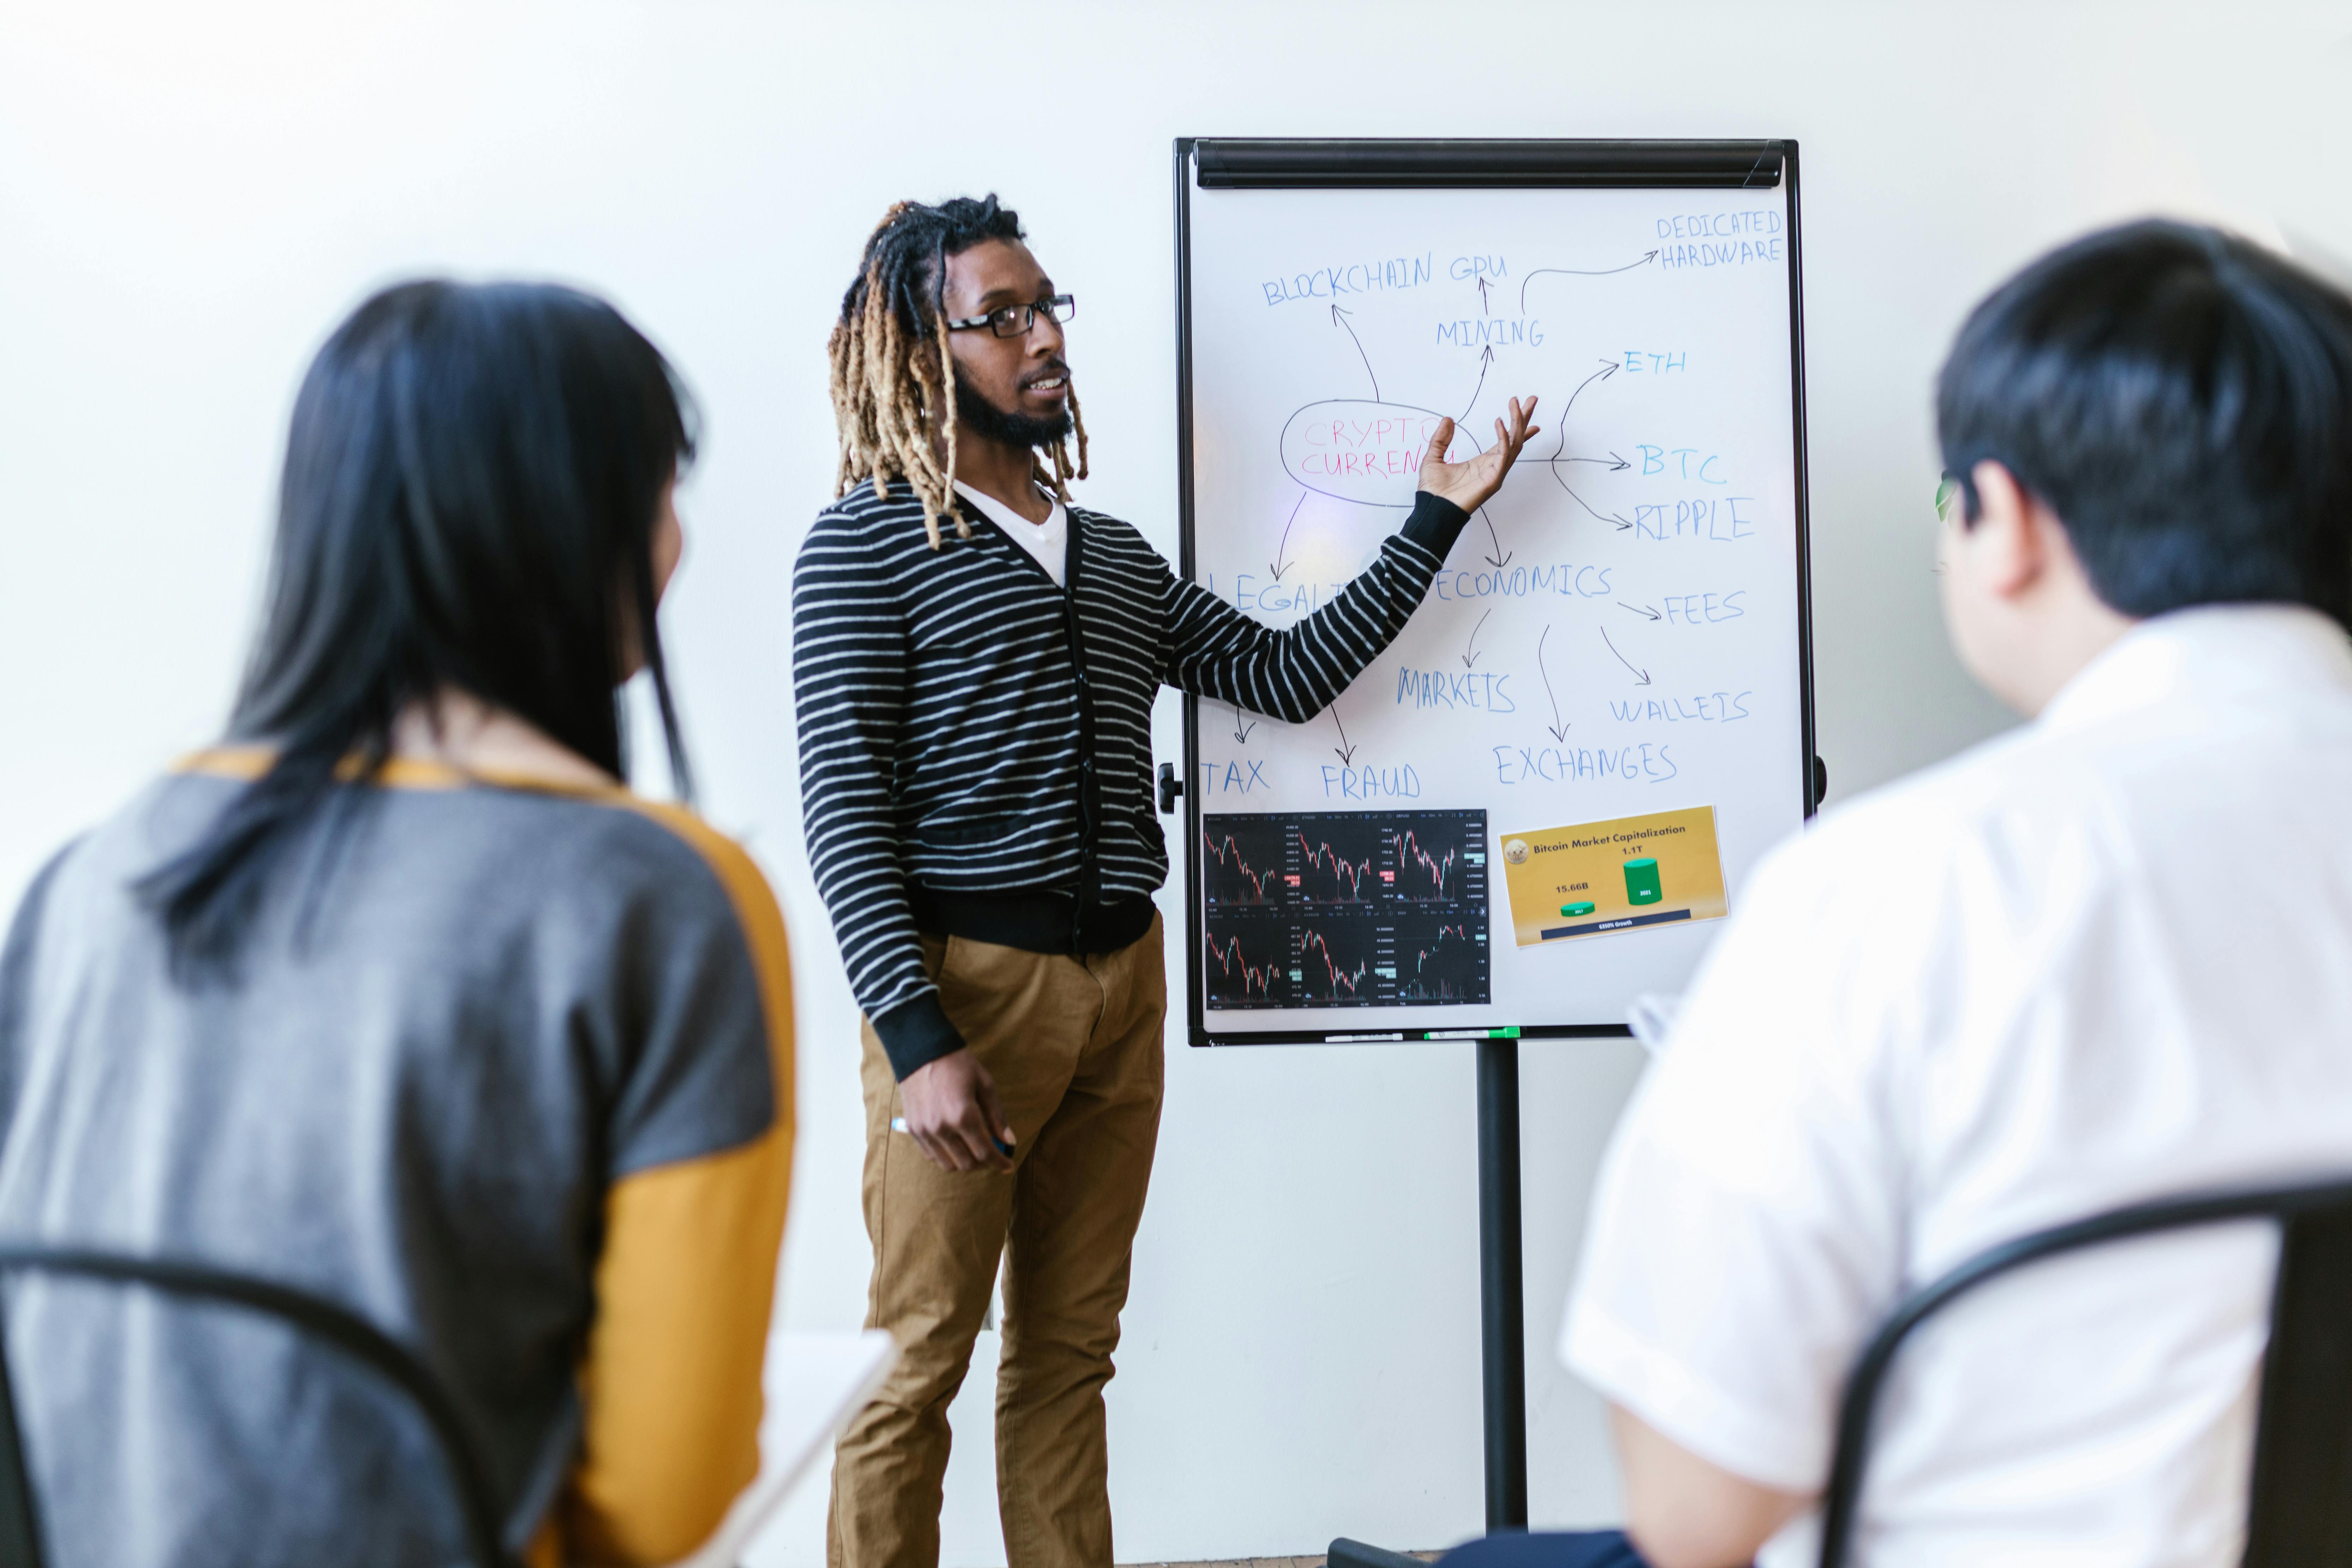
(1074,1048)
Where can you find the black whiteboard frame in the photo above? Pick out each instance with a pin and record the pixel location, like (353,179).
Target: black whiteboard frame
(1312,164)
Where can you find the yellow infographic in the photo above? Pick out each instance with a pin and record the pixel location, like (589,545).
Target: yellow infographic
(1600,877)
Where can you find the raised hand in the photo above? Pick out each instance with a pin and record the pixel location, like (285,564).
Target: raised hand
(1472,484)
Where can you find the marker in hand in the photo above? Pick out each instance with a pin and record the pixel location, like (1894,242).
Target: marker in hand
(899,1124)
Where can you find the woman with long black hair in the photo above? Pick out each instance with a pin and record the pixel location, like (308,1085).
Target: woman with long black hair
(400,997)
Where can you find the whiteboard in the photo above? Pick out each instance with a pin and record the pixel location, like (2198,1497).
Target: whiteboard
(1611,670)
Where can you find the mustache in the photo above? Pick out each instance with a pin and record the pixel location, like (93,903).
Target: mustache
(1052,368)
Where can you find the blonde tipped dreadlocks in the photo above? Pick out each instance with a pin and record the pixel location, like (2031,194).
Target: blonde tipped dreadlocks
(894,394)
(1062,473)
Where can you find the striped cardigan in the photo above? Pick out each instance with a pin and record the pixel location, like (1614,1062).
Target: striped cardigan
(965,726)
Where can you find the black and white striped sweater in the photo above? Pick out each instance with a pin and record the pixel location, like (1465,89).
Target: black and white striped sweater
(967,728)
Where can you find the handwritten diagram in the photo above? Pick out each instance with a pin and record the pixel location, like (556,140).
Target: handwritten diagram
(1366,452)
(1615,632)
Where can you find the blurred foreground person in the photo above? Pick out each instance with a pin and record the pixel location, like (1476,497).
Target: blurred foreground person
(2098,960)
(400,997)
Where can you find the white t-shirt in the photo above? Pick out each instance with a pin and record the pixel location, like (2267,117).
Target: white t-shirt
(1048,541)
(2104,958)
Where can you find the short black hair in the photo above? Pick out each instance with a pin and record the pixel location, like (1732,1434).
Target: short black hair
(2182,399)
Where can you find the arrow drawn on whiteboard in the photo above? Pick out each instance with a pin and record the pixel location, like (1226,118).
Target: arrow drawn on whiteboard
(1609,367)
(1346,750)
(1638,609)
(1482,298)
(1614,462)
(1604,516)
(1339,319)
(1281,562)
(1624,660)
(1239,732)
(1579,272)
(1557,727)
(1470,659)
(1485,360)
(1499,551)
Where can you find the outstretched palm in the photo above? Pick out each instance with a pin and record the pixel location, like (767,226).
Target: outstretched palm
(1472,484)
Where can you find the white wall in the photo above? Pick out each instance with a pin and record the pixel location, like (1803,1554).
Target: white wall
(191,195)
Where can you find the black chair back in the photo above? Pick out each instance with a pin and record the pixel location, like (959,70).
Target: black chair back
(20,1534)
(2300,1514)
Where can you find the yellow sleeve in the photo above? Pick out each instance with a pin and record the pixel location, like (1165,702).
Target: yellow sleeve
(670,1384)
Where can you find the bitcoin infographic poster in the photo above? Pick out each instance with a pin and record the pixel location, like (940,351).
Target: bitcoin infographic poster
(1623,875)
(1604,690)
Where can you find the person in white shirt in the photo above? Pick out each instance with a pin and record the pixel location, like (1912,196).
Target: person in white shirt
(2100,959)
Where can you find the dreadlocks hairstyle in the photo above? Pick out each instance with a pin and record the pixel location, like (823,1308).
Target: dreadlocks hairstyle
(893,377)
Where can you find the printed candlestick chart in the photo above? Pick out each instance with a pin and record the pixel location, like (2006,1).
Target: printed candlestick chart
(1240,977)
(1338,962)
(1339,873)
(1338,860)
(1345,908)
(1431,859)
(1438,958)
(1243,865)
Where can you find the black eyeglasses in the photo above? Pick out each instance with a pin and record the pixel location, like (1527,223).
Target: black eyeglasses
(1014,320)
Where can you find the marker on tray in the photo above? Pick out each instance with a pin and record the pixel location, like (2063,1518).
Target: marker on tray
(899,1124)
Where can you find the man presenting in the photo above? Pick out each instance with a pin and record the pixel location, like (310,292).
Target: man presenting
(974,665)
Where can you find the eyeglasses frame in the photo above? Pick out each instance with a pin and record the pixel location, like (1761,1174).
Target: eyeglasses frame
(1059,308)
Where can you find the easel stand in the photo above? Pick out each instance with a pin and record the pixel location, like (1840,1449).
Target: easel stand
(1502,1309)
(1502,1287)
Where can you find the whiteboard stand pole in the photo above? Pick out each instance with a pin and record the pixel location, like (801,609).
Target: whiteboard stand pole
(1502,1286)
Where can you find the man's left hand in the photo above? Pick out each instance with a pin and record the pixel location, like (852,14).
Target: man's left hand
(1472,484)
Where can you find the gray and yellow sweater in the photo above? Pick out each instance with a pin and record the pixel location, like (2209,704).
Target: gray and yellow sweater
(515,1085)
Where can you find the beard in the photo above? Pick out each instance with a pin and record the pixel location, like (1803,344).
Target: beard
(1020,431)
